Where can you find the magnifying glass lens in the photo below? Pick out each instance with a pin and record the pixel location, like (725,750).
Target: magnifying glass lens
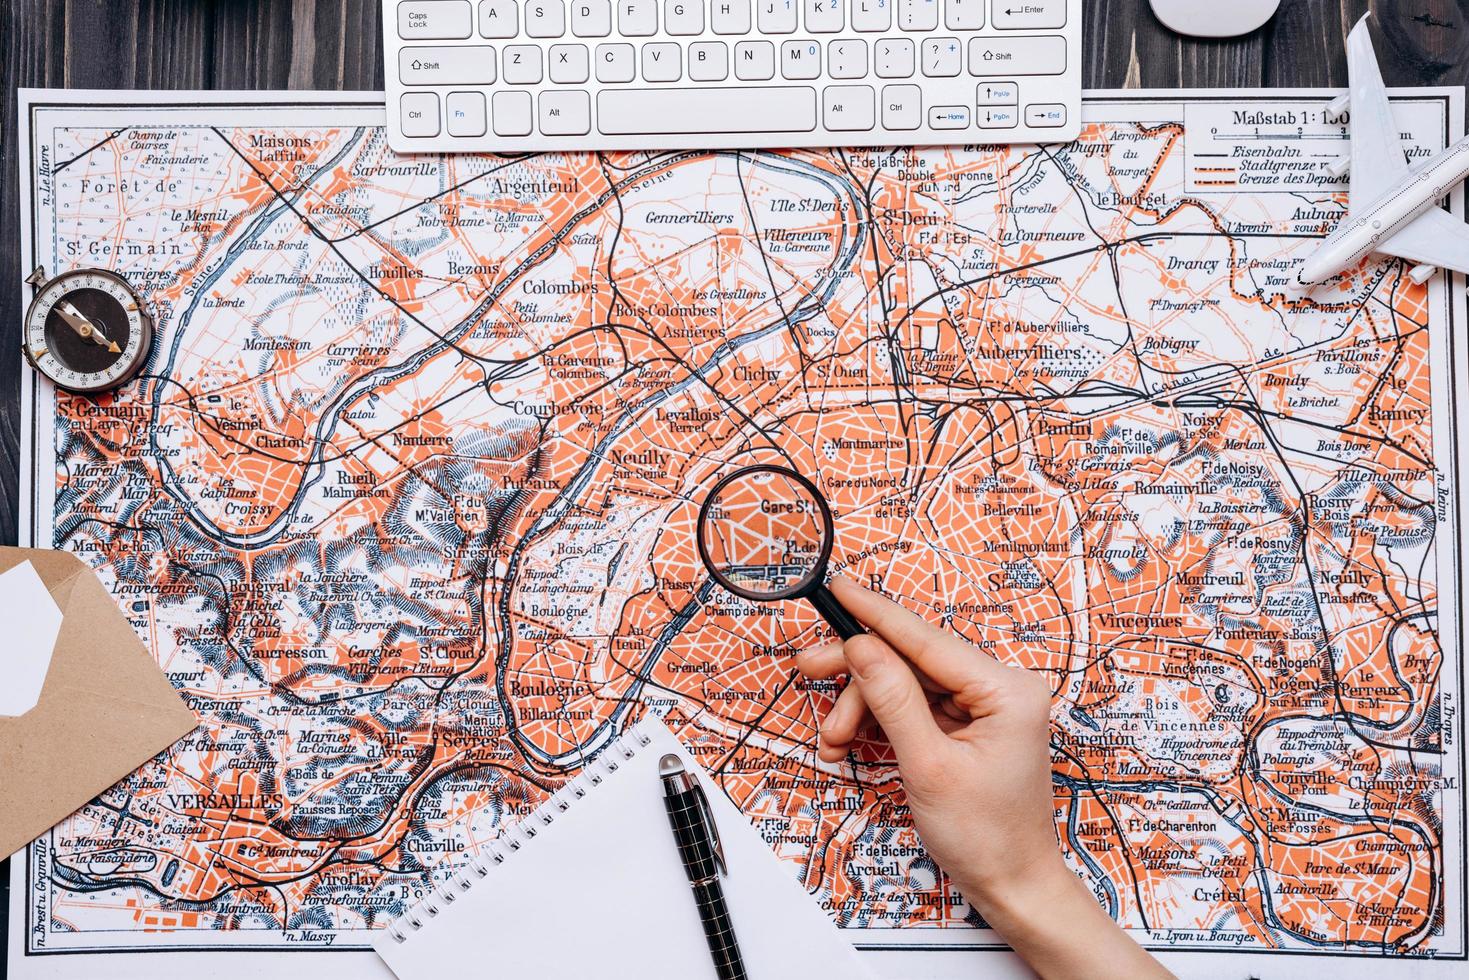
(764,534)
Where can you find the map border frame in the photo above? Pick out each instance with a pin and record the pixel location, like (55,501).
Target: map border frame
(898,956)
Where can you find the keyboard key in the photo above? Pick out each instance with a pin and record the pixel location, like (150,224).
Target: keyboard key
(683,17)
(824,16)
(615,62)
(965,15)
(948,117)
(1045,116)
(1033,15)
(498,18)
(420,113)
(775,16)
(512,113)
(466,113)
(591,18)
(730,16)
(998,117)
(918,15)
(942,57)
(996,93)
(545,18)
(847,108)
(895,57)
(1017,55)
(566,113)
(872,15)
(902,107)
(708,61)
(637,18)
(847,59)
(568,64)
(523,64)
(754,61)
(662,62)
(435,20)
(800,59)
(463,65)
(630,112)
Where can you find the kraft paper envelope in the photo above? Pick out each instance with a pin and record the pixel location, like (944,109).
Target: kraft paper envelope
(104,710)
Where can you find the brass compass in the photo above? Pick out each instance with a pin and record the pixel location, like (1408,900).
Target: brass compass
(86,330)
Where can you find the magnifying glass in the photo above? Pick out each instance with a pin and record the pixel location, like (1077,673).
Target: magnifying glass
(765,533)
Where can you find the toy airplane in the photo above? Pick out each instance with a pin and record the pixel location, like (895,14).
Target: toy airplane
(1394,210)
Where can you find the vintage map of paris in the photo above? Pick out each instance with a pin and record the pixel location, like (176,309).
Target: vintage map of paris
(404,505)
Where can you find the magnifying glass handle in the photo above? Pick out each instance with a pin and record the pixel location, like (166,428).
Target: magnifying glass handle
(835,613)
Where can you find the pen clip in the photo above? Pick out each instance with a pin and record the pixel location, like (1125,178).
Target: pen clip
(714,840)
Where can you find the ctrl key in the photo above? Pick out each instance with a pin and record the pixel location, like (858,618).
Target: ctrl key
(420,114)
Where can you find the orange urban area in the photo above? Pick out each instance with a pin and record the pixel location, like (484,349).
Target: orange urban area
(412,520)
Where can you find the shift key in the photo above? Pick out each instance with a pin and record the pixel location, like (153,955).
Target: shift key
(1009,56)
(471,65)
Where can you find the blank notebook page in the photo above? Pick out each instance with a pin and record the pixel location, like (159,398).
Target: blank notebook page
(598,891)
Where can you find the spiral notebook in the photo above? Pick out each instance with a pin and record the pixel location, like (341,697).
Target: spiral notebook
(590,885)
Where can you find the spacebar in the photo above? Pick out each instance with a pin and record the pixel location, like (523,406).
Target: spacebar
(641,112)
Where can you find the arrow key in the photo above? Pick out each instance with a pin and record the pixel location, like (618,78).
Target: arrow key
(948,117)
(998,117)
(1045,116)
(996,93)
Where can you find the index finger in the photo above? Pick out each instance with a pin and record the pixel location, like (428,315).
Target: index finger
(947,659)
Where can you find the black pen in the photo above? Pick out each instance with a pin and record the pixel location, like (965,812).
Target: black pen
(703,861)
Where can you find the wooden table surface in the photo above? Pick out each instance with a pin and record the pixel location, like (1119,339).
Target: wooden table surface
(337,44)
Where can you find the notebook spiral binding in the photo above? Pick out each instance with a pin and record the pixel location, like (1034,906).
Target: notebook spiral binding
(514,838)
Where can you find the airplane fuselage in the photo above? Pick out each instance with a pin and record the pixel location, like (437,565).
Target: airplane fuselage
(1360,234)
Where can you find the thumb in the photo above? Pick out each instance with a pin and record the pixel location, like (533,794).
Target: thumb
(893,695)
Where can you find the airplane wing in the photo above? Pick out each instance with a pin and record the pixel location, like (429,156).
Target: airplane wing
(1436,238)
(1378,161)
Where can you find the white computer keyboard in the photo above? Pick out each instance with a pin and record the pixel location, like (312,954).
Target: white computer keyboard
(510,76)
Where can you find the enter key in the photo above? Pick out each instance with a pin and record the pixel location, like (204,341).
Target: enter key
(1035,15)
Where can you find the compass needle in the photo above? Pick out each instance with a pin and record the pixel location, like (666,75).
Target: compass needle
(87,328)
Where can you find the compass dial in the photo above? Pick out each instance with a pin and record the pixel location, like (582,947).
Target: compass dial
(87,331)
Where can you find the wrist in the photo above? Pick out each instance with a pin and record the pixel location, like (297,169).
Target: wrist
(1050,918)
(1025,893)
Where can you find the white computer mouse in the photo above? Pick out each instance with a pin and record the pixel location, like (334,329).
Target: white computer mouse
(1214,18)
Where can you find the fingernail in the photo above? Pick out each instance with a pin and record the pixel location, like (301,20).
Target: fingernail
(810,653)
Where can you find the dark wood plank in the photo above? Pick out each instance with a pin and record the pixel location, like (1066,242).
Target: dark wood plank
(337,44)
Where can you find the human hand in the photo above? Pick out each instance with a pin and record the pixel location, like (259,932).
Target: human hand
(972,741)
(971,737)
